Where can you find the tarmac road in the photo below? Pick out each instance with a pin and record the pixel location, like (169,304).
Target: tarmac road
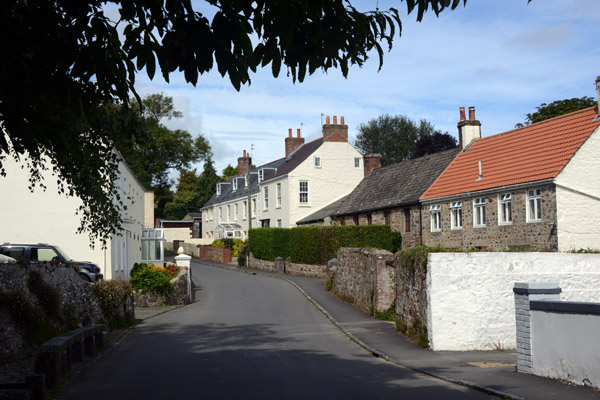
(248,337)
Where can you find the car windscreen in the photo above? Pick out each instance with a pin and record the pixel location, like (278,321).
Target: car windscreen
(62,253)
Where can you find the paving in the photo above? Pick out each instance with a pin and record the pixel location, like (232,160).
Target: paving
(492,372)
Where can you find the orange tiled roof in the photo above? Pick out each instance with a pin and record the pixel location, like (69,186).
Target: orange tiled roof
(528,154)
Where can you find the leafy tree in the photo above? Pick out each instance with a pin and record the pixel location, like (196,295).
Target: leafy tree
(229,171)
(62,59)
(557,108)
(434,143)
(392,136)
(152,149)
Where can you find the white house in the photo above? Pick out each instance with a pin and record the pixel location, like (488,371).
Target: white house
(284,191)
(48,217)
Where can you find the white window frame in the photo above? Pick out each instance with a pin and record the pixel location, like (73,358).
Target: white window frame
(303,191)
(456,215)
(235,185)
(228,213)
(479,211)
(278,193)
(218,189)
(245,210)
(534,205)
(356,162)
(254,208)
(220,214)
(504,209)
(266,197)
(435,212)
(279,224)
(317,160)
(235,211)
(261,175)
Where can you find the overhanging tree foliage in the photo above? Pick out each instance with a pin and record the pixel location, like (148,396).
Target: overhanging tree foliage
(62,59)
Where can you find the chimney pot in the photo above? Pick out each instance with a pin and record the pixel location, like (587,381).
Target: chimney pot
(342,120)
(244,153)
(298,132)
(462,114)
(327,120)
(335,119)
(472,113)
(290,132)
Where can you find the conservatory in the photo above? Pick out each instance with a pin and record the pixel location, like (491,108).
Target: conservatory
(228,230)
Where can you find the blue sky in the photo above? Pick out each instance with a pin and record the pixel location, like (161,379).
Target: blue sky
(505,57)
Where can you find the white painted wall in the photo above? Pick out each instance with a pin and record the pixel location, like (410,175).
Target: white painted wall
(47,217)
(566,346)
(470,298)
(275,212)
(211,221)
(578,198)
(336,178)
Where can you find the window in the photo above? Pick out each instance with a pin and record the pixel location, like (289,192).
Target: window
(266,197)
(504,210)
(479,211)
(236,211)
(279,225)
(234,184)
(152,245)
(534,205)
(356,162)
(407,220)
(261,175)
(303,192)
(369,219)
(220,214)
(218,189)
(253,208)
(386,217)
(317,162)
(456,215)
(278,195)
(245,209)
(228,213)
(355,219)
(435,213)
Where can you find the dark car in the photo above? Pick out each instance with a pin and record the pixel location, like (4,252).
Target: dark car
(41,252)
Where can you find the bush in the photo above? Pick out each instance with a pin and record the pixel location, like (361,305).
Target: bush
(232,244)
(111,296)
(242,254)
(137,268)
(269,243)
(218,243)
(152,279)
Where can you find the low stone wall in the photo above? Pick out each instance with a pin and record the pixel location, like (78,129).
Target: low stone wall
(75,302)
(411,300)
(363,277)
(215,254)
(287,266)
(263,265)
(179,296)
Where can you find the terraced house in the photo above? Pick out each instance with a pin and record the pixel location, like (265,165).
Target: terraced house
(310,176)
(534,187)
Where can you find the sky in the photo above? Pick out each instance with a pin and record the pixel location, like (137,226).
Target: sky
(504,57)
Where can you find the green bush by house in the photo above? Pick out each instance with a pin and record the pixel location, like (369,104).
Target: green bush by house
(319,244)
(269,243)
(232,244)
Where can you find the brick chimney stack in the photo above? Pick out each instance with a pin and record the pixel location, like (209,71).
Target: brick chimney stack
(292,143)
(334,132)
(371,162)
(468,129)
(244,163)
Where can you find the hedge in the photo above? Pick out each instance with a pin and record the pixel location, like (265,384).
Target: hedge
(269,243)
(319,244)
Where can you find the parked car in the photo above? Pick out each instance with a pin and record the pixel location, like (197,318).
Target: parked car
(41,252)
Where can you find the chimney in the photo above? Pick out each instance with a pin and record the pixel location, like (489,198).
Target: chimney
(598,104)
(292,143)
(334,132)
(371,162)
(243,164)
(468,129)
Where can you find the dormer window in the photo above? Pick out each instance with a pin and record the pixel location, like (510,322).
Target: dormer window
(218,189)
(261,175)
(235,185)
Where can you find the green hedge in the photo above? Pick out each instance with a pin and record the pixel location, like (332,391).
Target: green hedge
(319,244)
(269,243)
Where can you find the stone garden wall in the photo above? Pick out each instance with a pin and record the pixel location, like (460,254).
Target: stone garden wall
(179,296)
(287,266)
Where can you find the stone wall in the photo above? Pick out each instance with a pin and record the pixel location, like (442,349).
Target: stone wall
(309,270)
(179,296)
(215,254)
(358,278)
(77,303)
(263,265)
(411,299)
(538,236)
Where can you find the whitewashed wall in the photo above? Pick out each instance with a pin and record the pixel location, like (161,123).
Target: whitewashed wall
(578,198)
(470,297)
(566,346)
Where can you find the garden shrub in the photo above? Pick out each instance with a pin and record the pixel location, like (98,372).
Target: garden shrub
(269,243)
(111,296)
(218,243)
(152,279)
(137,268)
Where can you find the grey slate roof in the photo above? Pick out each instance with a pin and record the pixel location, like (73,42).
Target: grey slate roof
(227,192)
(296,158)
(396,185)
(327,211)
